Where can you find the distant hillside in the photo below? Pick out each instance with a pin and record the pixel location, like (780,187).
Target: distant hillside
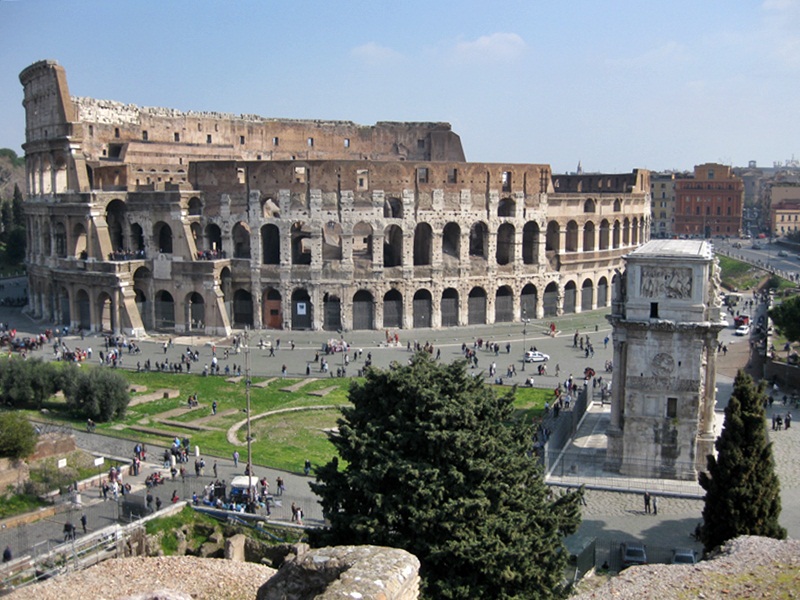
(12,171)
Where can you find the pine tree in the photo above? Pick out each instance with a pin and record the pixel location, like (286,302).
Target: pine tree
(16,203)
(436,465)
(742,488)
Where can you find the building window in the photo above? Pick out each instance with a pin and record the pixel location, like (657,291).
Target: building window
(116,132)
(177,136)
(144,135)
(362,179)
(241,140)
(654,310)
(275,141)
(208,139)
(346,142)
(420,144)
(452,175)
(91,130)
(506,178)
(310,142)
(672,408)
(422,175)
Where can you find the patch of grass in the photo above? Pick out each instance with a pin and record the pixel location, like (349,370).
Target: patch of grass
(17,504)
(738,275)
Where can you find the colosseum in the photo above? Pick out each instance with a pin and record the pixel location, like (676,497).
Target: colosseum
(156,220)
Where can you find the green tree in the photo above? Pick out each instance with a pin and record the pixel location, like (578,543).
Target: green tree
(16,203)
(17,436)
(742,488)
(99,394)
(26,383)
(437,466)
(786,317)
(15,246)
(6,218)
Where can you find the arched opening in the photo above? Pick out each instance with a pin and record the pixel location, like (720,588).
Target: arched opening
(617,205)
(116,211)
(392,208)
(604,234)
(163,236)
(197,236)
(602,292)
(60,238)
(586,295)
(616,236)
(226,287)
(332,241)
(571,241)
(588,236)
(423,309)
(626,232)
(589,206)
(137,240)
(570,297)
(272,310)
(270,245)
(504,305)
(450,308)
(331,312)
(527,302)
(242,309)
(214,241)
(393,309)
(550,299)
(530,243)
(105,312)
(79,238)
(301,309)
(165,311)
(195,313)
(393,246)
(552,240)
(451,243)
(362,246)
(63,304)
(476,306)
(84,306)
(479,240)
(506,207)
(301,244)
(363,310)
(195,207)
(423,242)
(635,232)
(241,241)
(506,235)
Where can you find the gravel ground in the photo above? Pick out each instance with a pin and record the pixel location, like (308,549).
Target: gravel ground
(747,567)
(201,578)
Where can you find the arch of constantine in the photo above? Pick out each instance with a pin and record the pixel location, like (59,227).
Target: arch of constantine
(157,220)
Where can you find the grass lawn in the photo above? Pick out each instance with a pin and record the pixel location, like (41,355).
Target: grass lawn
(281,441)
(738,275)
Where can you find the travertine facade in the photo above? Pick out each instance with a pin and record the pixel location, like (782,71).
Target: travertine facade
(666,319)
(151,219)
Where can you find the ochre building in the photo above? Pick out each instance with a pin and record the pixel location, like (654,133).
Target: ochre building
(152,219)
(710,203)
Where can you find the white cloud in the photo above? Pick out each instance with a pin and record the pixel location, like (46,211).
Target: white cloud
(490,48)
(374,54)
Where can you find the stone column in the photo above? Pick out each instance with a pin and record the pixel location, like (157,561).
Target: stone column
(710,398)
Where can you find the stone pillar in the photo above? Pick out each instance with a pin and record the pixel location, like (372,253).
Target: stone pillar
(539,306)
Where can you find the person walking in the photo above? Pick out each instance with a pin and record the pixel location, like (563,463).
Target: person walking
(7,557)
(235,458)
(307,467)
(214,407)
(280,486)
(655,505)
(647,502)
(215,470)
(83,522)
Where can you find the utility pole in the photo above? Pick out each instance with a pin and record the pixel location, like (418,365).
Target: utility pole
(247,396)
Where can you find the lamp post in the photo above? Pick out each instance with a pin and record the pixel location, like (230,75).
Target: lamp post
(524,337)
(247,396)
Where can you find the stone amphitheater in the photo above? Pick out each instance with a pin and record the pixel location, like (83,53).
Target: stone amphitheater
(156,220)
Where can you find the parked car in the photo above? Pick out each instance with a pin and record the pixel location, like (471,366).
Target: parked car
(632,553)
(536,356)
(684,556)
(756,246)
(783,253)
(742,330)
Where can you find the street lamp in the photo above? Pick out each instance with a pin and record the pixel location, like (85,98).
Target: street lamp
(524,337)
(247,396)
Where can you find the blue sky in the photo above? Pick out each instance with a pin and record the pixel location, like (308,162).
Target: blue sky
(616,85)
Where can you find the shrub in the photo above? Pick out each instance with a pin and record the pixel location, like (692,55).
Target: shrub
(98,394)
(17,436)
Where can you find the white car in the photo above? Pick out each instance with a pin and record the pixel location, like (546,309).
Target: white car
(536,356)
(742,330)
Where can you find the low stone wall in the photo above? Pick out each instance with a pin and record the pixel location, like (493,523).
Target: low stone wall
(52,444)
(13,472)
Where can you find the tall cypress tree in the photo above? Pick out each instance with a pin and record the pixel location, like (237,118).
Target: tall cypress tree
(742,488)
(436,466)
(16,203)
